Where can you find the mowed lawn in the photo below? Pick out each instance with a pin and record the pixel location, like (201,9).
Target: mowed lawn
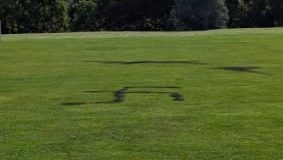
(58,95)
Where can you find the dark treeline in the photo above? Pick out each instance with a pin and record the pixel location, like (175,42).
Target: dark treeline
(27,16)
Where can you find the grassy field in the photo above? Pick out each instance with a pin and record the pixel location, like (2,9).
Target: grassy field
(142,96)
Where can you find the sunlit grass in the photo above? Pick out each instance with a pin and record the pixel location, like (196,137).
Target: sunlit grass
(231,81)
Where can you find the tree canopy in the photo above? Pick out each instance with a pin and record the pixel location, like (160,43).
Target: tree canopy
(19,16)
(195,14)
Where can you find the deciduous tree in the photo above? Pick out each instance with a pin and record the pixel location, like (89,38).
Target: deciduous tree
(196,14)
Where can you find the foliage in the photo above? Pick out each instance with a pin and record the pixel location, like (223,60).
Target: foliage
(134,14)
(195,14)
(277,12)
(83,15)
(33,16)
(261,13)
(19,16)
(258,13)
(234,9)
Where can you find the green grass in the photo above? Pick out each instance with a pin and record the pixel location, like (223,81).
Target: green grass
(226,114)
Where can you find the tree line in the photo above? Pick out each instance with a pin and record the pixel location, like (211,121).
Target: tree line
(18,16)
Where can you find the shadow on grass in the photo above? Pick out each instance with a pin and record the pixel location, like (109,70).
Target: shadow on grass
(242,69)
(74,104)
(147,62)
(119,95)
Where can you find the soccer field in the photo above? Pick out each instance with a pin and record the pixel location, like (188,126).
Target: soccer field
(142,95)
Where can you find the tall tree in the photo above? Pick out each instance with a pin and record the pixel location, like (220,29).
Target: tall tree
(83,15)
(33,16)
(11,12)
(134,14)
(277,12)
(196,14)
(234,12)
(257,13)
(46,15)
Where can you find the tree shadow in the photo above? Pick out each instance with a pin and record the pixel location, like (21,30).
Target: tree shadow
(119,95)
(74,104)
(147,62)
(242,69)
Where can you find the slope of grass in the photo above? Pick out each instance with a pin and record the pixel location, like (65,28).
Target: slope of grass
(231,81)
